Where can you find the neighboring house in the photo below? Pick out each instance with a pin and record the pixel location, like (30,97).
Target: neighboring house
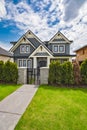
(29,51)
(5,55)
(81,54)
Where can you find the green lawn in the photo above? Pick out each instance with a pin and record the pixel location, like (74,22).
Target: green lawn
(55,108)
(5,90)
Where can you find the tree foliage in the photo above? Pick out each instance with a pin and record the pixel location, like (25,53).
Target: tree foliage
(55,73)
(1,70)
(84,72)
(9,72)
(67,73)
(61,73)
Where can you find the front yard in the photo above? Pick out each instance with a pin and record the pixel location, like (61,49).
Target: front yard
(56,108)
(6,89)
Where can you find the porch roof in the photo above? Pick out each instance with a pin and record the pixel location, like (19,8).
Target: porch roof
(41,54)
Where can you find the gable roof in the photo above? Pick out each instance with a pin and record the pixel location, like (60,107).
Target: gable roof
(34,41)
(18,43)
(3,52)
(57,34)
(35,52)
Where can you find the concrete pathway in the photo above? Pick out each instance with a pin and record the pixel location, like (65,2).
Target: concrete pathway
(13,106)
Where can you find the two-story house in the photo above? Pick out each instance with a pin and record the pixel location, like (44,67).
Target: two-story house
(29,51)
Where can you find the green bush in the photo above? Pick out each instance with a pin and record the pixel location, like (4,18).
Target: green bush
(51,78)
(10,72)
(61,73)
(67,73)
(84,72)
(54,73)
(1,70)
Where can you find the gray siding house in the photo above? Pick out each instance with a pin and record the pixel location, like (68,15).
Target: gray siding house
(30,52)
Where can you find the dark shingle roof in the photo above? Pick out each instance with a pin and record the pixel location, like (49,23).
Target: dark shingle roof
(34,41)
(5,53)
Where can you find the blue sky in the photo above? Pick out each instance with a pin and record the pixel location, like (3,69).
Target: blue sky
(44,18)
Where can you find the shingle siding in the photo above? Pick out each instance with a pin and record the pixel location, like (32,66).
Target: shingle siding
(18,54)
(67,48)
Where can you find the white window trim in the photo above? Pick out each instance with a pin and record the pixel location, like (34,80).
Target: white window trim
(31,61)
(53,49)
(22,63)
(25,49)
(62,51)
(58,49)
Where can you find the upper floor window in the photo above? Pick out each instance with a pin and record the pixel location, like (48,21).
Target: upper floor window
(22,48)
(61,48)
(25,49)
(55,48)
(58,48)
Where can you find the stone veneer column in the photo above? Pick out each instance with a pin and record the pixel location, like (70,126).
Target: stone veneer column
(48,61)
(22,76)
(44,72)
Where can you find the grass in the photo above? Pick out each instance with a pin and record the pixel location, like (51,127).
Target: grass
(6,89)
(56,108)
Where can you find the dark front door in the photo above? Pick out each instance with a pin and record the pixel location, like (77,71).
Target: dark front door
(42,63)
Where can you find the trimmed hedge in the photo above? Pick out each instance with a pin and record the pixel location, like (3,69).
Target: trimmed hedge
(55,73)
(67,73)
(84,71)
(1,70)
(67,76)
(9,73)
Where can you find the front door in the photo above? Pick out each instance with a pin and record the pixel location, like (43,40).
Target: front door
(41,62)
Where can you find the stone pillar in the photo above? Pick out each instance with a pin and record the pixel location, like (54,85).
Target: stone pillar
(35,62)
(22,76)
(70,59)
(48,61)
(44,72)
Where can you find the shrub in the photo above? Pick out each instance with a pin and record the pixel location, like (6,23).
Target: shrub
(1,70)
(54,73)
(51,78)
(10,72)
(67,73)
(77,74)
(84,72)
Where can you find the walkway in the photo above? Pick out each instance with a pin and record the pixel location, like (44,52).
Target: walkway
(12,107)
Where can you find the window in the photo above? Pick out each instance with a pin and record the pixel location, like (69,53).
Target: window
(25,49)
(61,49)
(22,48)
(55,48)
(29,64)
(20,63)
(58,48)
(24,63)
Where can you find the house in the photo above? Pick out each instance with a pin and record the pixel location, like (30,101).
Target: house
(5,55)
(30,52)
(81,54)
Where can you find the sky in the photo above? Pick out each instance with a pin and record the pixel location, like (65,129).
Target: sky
(44,18)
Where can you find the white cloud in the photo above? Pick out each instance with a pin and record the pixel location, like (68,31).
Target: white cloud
(72,16)
(5,46)
(2,9)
